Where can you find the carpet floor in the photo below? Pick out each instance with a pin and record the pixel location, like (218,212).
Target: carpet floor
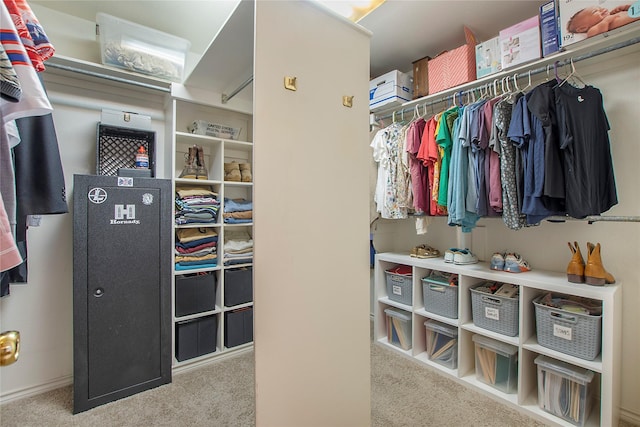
(403,393)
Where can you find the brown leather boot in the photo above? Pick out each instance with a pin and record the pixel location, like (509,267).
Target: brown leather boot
(189,170)
(575,269)
(594,272)
(201,170)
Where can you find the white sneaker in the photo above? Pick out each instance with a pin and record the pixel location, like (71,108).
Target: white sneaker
(464,256)
(449,254)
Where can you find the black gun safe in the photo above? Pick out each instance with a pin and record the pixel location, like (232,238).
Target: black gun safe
(121,287)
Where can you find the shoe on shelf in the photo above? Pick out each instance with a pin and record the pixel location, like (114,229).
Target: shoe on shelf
(201,169)
(424,251)
(575,269)
(513,263)
(594,271)
(449,254)
(464,256)
(497,261)
(245,172)
(232,172)
(189,170)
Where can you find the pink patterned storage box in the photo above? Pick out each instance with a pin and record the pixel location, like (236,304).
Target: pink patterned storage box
(454,67)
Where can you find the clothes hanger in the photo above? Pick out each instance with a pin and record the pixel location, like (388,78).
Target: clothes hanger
(528,82)
(573,75)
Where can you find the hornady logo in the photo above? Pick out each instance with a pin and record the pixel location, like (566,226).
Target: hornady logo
(125,214)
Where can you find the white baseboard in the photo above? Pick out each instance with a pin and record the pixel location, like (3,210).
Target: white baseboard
(37,389)
(630,417)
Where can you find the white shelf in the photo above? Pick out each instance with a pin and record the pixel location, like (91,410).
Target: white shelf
(531,284)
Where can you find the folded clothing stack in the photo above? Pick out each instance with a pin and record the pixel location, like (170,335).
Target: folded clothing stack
(238,247)
(196,205)
(196,248)
(238,211)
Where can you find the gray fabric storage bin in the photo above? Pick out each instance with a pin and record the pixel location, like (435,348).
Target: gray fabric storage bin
(196,337)
(238,327)
(195,293)
(238,286)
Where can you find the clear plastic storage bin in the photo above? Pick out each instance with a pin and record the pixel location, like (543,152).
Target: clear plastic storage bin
(496,364)
(564,390)
(442,343)
(399,328)
(141,49)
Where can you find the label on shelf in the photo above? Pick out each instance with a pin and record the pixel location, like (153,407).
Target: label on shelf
(562,332)
(492,313)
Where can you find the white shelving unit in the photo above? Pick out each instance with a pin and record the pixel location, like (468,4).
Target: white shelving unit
(531,284)
(217,151)
(227,61)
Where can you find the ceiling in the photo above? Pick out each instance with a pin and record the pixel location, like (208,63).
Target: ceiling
(403,30)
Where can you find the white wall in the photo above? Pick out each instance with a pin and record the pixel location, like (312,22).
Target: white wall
(545,247)
(311,223)
(42,309)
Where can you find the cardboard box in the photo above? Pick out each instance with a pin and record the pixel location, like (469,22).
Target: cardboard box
(572,27)
(520,43)
(392,88)
(420,77)
(488,57)
(454,67)
(549,28)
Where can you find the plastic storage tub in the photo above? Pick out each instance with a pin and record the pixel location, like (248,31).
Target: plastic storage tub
(442,343)
(564,390)
(141,49)
(399,284)
(495,313)
(440,297)
(496,364)
(399,328)
(569,332)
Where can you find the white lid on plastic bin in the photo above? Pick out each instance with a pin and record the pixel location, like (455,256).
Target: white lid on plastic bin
(397,314)
(580,375)
(497,346)
(442,328)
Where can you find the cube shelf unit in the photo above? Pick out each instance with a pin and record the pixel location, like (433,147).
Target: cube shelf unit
(531,284)
(217,151)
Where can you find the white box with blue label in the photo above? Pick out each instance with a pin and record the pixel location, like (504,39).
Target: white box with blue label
(488,57)
(392,88)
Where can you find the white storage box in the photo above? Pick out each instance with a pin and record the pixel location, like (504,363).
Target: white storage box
(488,57)
(141,49)
(393,88)
(577,18)
(564,390)
(520,43)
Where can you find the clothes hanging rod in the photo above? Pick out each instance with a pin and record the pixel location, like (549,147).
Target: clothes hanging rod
(559,63)
(109,77)
(595,218)
(227,98)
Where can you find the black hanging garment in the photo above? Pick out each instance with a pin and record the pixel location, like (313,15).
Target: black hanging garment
(40,187)
(590,187)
